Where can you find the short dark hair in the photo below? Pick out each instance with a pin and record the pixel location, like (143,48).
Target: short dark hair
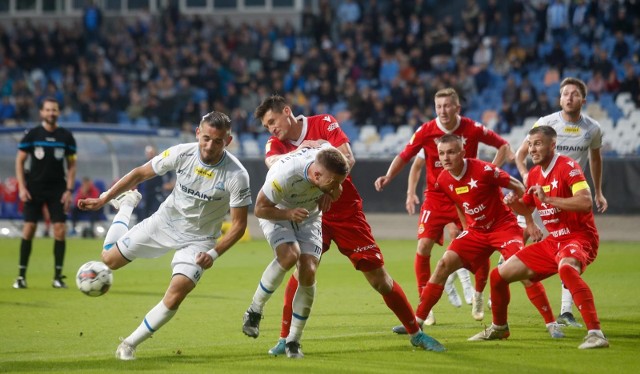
(275,103)
(218,120)
(545,130)
(50,99)
(582,87)
(333,160)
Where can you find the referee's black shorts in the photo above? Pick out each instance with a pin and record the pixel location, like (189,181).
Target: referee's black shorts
(49,196)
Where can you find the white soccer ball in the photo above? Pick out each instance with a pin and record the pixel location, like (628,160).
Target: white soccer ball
(94,278)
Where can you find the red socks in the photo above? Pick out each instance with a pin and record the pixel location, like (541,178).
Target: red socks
(482,276)
(287,309)
(538,297)
(500,297)
(422,266)
(582,296)
(397,301)
(430,296)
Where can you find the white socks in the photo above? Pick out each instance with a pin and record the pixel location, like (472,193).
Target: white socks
(119,226)
(302,302)
(153,321)
(270,281)
(567,301)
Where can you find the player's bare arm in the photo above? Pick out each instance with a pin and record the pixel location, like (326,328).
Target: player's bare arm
(67,196)
(231,237)
(595,165)
(394,169)
(503,155)
(521,160)
(129,181)
(517,205)
(581,200)
(23,192)
(266,209)
(412,184)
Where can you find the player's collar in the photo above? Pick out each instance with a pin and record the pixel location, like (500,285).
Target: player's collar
(444,129)
(576,123)
(545,172)
(303,133)
(462,173)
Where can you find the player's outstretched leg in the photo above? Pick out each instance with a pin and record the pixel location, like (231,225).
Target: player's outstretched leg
(271,279)
(451,291)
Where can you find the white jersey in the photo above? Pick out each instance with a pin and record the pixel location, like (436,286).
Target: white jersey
(203,193)
(574,139)
(287,184)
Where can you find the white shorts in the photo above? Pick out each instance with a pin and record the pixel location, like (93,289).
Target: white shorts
(151,238)
(307,234)
(536,219)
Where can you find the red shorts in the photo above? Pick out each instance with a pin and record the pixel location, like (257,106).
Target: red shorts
(474,247)
(354,240)
(435,214)
(543,257)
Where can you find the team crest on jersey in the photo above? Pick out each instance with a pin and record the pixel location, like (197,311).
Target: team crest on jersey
(546,188)
(219,186)
(333,126)
(204,172)
(38,152)
(421,228)
(165,154)
(58,153)
(461,190)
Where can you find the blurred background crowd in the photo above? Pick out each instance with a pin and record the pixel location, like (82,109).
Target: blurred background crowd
(368,62)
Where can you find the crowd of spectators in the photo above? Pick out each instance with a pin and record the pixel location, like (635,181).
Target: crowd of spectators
(370,61)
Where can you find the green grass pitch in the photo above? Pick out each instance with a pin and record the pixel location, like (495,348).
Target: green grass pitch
(50,330)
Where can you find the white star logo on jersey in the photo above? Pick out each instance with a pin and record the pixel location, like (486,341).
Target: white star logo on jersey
(554,183)
(473,183)
(572,251)
(327,118)
(464,140)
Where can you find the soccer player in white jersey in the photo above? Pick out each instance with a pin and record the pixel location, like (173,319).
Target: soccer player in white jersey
(289,215)
(579,137)
(210,182)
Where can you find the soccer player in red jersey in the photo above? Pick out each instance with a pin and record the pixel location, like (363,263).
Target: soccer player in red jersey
(354,240)
(557,187)
(437,210)
(475,187)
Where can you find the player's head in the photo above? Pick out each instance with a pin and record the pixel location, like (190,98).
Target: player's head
(451,153)
(213,134)
(150,152)
(542,144)
(573,95)
(275,115)
(447,106)
(49,110)
(332,168)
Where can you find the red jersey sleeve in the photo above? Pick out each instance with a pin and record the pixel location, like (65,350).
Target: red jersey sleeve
(489,137)
(414,146)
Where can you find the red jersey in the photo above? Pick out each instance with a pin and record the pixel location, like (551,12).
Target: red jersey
(322,127)
(477,191)
(471,132)
(562,177)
